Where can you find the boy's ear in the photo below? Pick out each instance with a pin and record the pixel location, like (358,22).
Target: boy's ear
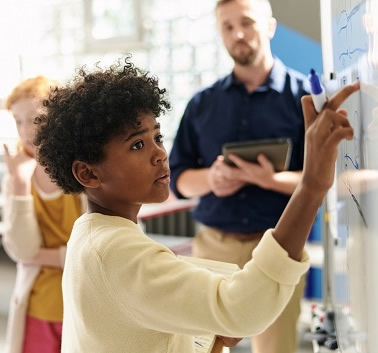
(86,174)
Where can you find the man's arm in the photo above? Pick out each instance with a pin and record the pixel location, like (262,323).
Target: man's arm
(261,174)
(193,182)
(285,182)
(199,182)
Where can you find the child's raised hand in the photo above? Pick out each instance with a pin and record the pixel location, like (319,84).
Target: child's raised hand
(324,131)
(20,168)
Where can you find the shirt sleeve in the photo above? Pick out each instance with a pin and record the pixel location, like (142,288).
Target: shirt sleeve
(170,295)
(22,238)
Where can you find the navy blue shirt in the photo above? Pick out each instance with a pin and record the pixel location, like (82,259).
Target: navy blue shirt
(226,112)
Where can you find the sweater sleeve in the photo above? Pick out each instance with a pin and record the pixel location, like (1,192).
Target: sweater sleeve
(166,294)
(22,238)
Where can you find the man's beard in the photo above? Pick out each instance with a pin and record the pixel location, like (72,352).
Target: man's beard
(245,58)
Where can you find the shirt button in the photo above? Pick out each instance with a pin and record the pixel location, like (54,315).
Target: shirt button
(245,221)
(244,122)
(242,196)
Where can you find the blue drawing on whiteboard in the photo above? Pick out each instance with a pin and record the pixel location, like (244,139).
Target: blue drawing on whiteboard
(353,254)
(350,53)
(350,39)
(354,162)
(356,144)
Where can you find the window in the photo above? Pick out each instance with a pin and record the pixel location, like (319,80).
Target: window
(113,25)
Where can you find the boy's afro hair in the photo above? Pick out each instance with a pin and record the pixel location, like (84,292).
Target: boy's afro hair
(81,117)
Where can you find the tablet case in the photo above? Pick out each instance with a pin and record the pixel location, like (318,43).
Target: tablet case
(278,151)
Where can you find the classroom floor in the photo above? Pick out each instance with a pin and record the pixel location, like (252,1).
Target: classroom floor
(7,277)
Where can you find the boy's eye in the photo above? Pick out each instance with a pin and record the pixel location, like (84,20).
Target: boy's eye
(159,138)
(138,145)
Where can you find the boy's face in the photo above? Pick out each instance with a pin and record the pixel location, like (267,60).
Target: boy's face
(135,169)
(24,112)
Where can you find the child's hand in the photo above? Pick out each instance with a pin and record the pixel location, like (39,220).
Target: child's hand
(324,131)
(21,168)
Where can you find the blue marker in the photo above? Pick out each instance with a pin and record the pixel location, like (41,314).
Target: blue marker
(317,91)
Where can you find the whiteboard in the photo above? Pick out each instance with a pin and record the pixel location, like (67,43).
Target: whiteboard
(350,52)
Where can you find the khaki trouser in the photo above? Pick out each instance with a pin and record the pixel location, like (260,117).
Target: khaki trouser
(281,336)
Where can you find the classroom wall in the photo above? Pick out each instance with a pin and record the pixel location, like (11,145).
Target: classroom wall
(297,50)
(302,16)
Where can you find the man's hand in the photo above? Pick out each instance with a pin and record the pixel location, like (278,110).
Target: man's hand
(260,174)
(221,181)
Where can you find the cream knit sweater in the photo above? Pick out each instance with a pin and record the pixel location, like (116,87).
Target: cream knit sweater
(123,292)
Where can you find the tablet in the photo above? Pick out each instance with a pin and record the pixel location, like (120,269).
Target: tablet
(278,151)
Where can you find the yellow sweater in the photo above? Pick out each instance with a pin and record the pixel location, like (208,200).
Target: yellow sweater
(56,213)
(123,292)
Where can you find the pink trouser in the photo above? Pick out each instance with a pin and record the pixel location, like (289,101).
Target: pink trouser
(42,336)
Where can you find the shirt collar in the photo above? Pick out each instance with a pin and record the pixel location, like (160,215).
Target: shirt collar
(276,79)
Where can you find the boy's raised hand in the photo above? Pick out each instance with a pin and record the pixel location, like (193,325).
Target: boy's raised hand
(324,132)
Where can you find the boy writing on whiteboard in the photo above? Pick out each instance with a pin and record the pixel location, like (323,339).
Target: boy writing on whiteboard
(100,136)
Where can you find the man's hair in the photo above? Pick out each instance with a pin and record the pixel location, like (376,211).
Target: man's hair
(264,5)
(36,87)
(83,116)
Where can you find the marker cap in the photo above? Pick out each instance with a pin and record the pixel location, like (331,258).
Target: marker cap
(316,87)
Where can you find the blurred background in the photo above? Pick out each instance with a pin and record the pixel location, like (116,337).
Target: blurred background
(176,40)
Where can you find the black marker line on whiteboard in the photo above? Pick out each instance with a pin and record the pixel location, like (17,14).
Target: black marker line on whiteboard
(358,208)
